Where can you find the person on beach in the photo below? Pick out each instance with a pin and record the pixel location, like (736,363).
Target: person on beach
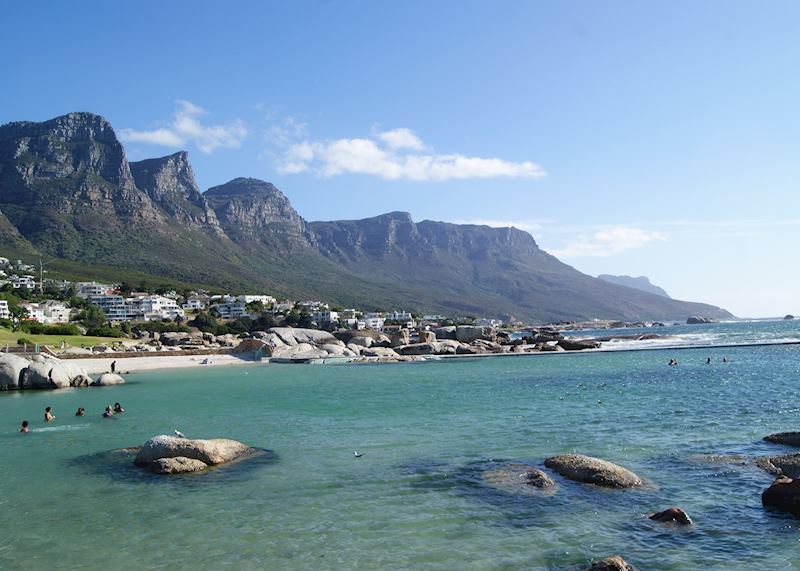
(50,375)
(118,407)
(113,366)
(80,411)
(108,413)
(24,427)
(48,414)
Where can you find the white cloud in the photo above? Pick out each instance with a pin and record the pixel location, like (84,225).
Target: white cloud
(402,139)
(606,242)
(395,155)
(186,128)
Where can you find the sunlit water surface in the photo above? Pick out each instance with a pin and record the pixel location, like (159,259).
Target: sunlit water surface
(416,499)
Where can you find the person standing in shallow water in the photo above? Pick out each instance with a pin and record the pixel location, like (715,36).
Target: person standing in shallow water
(48,414)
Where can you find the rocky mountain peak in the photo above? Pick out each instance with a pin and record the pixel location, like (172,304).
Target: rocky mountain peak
(252,209)
(169,182)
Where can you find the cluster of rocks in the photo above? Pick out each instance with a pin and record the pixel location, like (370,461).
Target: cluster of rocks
(146,341)
(302,344)
(42,371)
(784,493)
(176,455)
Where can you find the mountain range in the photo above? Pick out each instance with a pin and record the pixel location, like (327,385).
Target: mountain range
(642,283)
(69,194)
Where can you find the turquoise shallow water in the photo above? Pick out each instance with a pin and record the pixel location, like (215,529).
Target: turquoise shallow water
(416,499)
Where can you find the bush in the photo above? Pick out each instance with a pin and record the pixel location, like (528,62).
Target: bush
(35,328)
(104,331)
(24,341)
(161,327)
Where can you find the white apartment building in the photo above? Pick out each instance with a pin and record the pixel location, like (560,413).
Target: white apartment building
(26,281)
(48,312)
(264,299)
(195,304)
(231,310)
(145,308)
(325,316)
(88,289)
(4,312)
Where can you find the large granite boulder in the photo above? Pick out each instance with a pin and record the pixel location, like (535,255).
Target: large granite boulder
(211,452)
(299,351)
(469,333)
(11,370)
(417,349)
(176,465)
(591,470)
(614,563)
(783,495)
(362,341)
(401,337)
(175,338)
(577,344)
(297,335)
(45,375)
(788,438)
(108,379)
(447,332)
(427,337)
(787,465)
(379,352)
(697,320)
(251,346)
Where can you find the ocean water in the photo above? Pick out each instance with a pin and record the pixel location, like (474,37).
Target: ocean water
(416,499)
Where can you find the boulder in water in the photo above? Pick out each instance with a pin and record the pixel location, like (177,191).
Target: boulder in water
(591,470)
(614,563)
(11,370)
(788,438)
(212,452)
(518,478)
(783,495)
(108,379)
(672,514)
(176,465)
(787,465)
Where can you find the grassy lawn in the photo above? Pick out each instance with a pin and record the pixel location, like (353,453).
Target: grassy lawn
(8,337)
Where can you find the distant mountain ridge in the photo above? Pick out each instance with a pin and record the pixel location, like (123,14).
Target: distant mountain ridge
(67,191)
(642,283)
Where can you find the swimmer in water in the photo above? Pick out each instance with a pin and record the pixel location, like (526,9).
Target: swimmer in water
(118,407)
(24,427)
(48,414)
(80,411)
(108,413)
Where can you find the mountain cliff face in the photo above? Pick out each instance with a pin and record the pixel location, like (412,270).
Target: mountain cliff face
(68,192)
(641,283)
(253,210)
(169,182)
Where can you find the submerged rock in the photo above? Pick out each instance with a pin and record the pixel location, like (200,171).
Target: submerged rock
(782,465)
(672,514)
(614,563)
(788,438)
(783,495)
(176,465)
(591,470)
(212,452)
(518,478)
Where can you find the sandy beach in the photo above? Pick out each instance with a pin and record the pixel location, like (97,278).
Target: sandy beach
(135,364)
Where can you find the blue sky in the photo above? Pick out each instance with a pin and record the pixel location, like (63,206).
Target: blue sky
(641,138)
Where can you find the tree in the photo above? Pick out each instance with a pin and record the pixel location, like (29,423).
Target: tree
(255,307)
(17,314)
(92,317)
